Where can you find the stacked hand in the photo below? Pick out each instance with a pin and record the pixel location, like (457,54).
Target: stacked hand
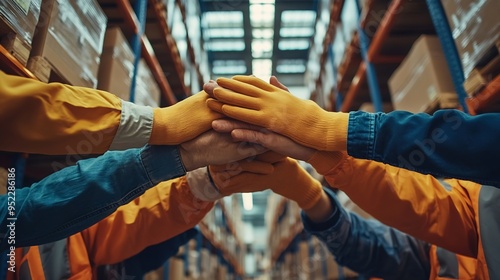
(270,170)
(257,102)
(182,121)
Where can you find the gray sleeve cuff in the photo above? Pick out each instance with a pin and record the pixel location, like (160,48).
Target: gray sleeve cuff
(136,124)
(201,186)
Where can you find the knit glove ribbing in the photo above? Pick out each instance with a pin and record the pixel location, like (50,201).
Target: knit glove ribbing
(182,121)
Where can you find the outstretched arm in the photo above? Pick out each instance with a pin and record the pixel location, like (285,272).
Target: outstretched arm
(368,246)
(449,143)
(60,119)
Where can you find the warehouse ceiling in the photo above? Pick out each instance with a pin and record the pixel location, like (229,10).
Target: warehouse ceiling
(263,38)
(259,37)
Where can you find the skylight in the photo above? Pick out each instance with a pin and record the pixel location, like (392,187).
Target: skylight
(225,45)
(296,31)
(297,18)
(222,19)
(224,33)
(293,44)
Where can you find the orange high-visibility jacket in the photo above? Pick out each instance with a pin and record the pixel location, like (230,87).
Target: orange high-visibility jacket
(456,215)
(58,119)
(159,214)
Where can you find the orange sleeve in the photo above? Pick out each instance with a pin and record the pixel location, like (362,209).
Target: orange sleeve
(161,213)
(54,118)
(417,204)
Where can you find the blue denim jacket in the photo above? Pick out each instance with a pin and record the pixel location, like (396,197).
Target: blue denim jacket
(76,197)
(370,247)
(449,143)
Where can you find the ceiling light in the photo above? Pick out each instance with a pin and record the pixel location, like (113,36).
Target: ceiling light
(225,45)
(298,18)
(222,19)
(262,68)
(295,44)
(262,33)
(224,33)
(262,15)
(247,201)
(296,31)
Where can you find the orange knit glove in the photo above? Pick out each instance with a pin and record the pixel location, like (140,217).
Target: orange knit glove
(182,121)
(254,101)
(288,179)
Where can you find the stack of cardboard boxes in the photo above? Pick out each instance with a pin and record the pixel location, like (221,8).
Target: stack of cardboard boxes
(68,42)
(18,20)
(422,81)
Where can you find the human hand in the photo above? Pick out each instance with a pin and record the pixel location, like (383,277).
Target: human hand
(287,178)
(254,101)
(244,132)
(182,121)
(209,87)
(241,176)
(215,148)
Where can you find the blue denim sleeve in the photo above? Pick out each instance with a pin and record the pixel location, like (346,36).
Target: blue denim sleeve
(370,247)
(76,197)
(449,143)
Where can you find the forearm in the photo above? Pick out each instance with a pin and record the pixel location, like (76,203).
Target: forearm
(161,213)
(369,247)
(60,119)
(411,202)
(77,197)
(429,144)
(321,211)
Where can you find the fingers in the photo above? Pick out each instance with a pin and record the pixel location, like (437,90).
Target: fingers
(254,81)
(239,87)
(253,136)
(274,81)
(271,157)
(209,87)
(215,105)
(246,150)
(245,115)
(227,125)
(228,96)
(246,165)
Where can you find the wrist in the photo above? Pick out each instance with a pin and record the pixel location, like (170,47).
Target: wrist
(188,159)
(201,186)
(336,129)
(324,161)
(321,211)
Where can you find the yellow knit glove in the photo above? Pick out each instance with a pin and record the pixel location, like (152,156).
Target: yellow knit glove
(287,179)
(255,101)
(324,162)
(182,121)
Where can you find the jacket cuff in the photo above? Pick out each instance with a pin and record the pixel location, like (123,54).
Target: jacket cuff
(162,163)
(201,185)
(136,124)
(361,134)
(332,223)
(324,161)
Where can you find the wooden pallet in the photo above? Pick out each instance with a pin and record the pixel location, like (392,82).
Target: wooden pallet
(482,75)
(14,43)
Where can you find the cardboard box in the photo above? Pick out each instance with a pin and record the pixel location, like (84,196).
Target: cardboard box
(18,20)
(69,39)
(147,91)
(422,78)
(475,27)
(117,64)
